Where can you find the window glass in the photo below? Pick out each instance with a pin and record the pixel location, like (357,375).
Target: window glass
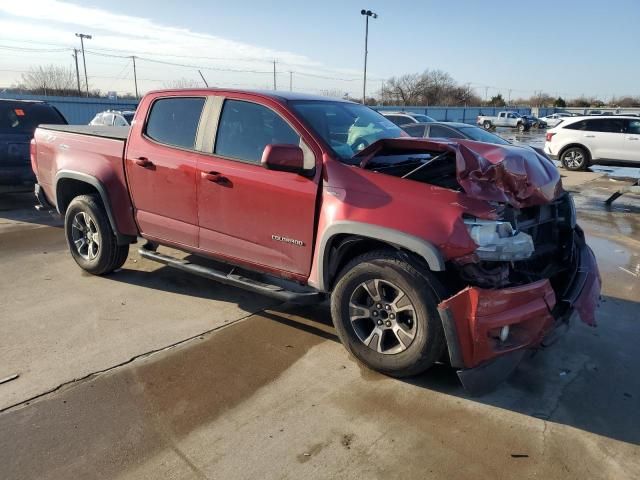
(128,117)
(399,119)
(107,119)
(119,121)
(97,120)
(422,118)
(174,121)
(608,125)
(25,117)
(581,125)
(481,135)
(438,131)
(633,127)
(346,127)
(415,130)
(245,128)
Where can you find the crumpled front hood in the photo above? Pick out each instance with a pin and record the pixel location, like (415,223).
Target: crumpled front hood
(520,176)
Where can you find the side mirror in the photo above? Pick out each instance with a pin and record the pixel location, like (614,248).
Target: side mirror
(284,158)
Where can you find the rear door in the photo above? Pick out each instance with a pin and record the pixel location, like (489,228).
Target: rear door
(245,210)
(161,164)
(605,138)
(632,141)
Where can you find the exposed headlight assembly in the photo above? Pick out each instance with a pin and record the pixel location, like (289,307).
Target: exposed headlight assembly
(498,241)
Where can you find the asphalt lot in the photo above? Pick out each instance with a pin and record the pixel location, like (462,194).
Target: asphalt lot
(152,373)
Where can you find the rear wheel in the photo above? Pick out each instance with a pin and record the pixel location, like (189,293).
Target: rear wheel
(385,313)
(574,158)
(521,127)
(487,125)
(91,239)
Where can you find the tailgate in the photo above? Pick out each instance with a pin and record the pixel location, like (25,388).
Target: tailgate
(14,149)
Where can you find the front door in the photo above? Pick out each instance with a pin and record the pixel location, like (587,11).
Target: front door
(247,213)
(161,169)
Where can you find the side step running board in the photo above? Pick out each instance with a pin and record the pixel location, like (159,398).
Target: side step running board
(304,297)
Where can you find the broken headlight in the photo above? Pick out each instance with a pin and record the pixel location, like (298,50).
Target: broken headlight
(498,241)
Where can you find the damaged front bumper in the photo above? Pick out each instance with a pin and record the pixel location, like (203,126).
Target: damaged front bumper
(475,321)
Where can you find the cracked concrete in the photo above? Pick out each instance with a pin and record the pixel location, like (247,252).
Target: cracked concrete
(165,391)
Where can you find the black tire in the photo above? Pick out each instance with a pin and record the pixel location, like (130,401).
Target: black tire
(522,127)
(427,344)
(87,211)
(575,159)
(486,125)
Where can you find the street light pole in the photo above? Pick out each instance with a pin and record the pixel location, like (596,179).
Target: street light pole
(82,36)
(367,14)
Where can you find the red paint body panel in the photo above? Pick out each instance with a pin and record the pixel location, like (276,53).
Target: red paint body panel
(98,157)
(478,313)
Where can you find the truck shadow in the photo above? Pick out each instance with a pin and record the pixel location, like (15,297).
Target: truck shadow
(21,207)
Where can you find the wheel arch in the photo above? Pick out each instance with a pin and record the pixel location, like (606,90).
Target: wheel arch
(70,184)
(346,239)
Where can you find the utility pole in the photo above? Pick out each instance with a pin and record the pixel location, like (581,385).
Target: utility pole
(82,36)
(135,75)
(367,14)
(290,81)
(486,92)
(509,101)
(274,74)
(75,58)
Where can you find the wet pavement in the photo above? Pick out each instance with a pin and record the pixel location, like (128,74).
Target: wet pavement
(203,381)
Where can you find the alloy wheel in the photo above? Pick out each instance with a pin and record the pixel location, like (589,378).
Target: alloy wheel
(85,236)
(382,316)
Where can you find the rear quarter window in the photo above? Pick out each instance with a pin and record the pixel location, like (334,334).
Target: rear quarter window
(174,121)
(24,118)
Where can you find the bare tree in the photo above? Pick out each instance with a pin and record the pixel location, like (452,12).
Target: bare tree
(431,87)
(50,80)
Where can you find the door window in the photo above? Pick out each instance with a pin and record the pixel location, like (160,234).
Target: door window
(608,125)
(415,130)
(119,121)
(398,119)
(633,127)
(174,121)
(437,131)
(245,128)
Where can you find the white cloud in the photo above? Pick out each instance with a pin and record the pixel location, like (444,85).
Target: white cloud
(55,22)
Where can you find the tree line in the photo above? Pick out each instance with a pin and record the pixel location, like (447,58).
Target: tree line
(429,88)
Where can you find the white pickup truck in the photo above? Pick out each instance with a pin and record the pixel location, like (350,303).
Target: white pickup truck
(504,119)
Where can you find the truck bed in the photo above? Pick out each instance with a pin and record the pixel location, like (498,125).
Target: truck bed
(114,133)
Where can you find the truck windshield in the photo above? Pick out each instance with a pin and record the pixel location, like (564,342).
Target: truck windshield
(346,127)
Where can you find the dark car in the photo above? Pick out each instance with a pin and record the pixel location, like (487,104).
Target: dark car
(536,122)
(18,121)
(453,130)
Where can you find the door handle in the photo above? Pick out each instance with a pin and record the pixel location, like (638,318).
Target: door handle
(144,162)
(214,177)
(589,136)
(634,138)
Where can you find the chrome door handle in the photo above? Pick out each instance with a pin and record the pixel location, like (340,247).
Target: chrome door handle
(590,136)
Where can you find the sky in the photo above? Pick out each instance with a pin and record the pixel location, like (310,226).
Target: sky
(568,48)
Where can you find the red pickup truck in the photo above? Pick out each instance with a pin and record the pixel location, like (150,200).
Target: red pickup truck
(430,251)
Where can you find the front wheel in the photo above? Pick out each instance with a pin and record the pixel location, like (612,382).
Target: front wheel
(91,240)
(521,127)
(385,313)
